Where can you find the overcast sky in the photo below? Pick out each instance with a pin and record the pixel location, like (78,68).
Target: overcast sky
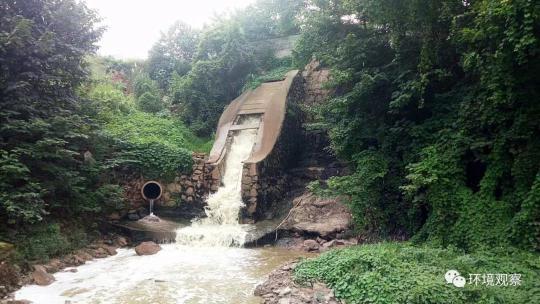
(134,25)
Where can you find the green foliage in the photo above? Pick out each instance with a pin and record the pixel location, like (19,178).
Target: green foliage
(272,75)
(24,203)
(149,103)
(401,273)
(147,94)
(225,59)
(48,240)
(435,109)
(270,18)
(107,99)
(222,63)
(45,129)
(155,146)
(172,54)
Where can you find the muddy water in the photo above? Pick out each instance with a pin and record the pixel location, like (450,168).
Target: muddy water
(177,274)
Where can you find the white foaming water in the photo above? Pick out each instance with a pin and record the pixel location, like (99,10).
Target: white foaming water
(221,227)
(176,274)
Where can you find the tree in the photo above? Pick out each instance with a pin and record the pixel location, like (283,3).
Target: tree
(222,64)
(441,97)
(43,133)
(172,54)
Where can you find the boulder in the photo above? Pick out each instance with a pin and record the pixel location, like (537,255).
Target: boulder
(100,253)
(110,250)
(311,245)
(83,255)
(121,241)
(41,277)
(54,265)
(320,216)
(73,260)
(115,216)
(133,216)
(10,278)
(147,248)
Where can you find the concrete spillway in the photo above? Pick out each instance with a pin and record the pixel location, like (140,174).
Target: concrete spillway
(268,100)
(263,110)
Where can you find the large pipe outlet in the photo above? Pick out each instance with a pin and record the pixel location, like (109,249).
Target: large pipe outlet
(151,190)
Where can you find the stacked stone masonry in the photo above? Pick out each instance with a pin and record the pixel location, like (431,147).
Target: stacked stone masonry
(188,189)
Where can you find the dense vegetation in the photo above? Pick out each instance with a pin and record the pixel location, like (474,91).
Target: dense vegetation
(401,273)
(436,108)
(68,140)
(201,71)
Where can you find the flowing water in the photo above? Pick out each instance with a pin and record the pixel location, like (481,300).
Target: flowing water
(176,274)
(199,268)
(220,227)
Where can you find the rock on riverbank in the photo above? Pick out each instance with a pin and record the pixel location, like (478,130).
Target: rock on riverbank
(11,278)
(280,288)
(147,248)
(313,215)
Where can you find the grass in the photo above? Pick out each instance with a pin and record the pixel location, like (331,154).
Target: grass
(147,128)
(403,273)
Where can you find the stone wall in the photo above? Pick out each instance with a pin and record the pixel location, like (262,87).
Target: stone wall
(315,77)
(187,191)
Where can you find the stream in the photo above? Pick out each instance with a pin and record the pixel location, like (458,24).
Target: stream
(206,265)
(176,274)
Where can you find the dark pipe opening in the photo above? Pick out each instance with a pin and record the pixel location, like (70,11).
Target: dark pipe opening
(151,190)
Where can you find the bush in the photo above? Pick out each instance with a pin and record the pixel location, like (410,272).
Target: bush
(156,146)
(275,74)
(149,103)
(401,273)
(147,94)
(46,240)
(108,99)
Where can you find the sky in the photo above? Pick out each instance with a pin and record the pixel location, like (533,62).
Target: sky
(132,26)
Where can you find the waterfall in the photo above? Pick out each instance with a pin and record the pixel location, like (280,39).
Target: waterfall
(151,206)
(221,227)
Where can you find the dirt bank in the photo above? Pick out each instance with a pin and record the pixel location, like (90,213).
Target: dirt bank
(280,288)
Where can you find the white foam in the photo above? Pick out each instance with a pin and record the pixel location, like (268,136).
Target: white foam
(221,227)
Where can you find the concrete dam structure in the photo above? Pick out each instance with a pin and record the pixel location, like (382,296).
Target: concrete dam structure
(271,111)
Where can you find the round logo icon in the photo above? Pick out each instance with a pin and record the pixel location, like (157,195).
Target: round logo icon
(450,275)
(459,281)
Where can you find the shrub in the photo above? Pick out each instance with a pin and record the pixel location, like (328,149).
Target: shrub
(401,273)
(150,103)
(156,146)
(46,240)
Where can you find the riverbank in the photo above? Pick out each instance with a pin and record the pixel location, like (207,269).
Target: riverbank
(14,276)
(400,272)
(281,288)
